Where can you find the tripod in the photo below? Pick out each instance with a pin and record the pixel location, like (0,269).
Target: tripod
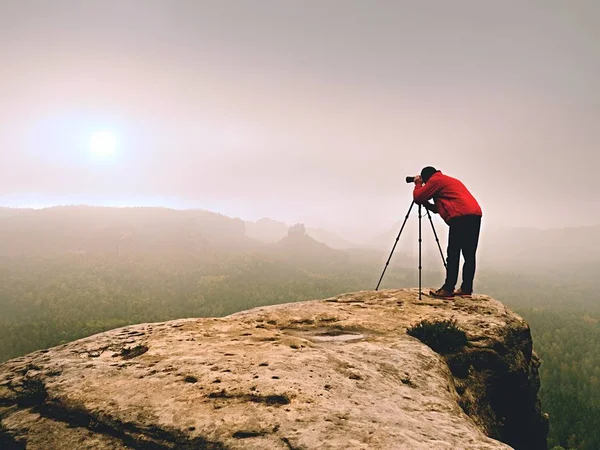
(420,240)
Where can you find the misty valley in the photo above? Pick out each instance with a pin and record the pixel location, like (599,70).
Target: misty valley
(71,272)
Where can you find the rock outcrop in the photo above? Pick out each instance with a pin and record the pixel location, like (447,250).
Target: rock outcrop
(339,373)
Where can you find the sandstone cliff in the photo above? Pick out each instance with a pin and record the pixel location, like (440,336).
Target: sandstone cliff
(339,373)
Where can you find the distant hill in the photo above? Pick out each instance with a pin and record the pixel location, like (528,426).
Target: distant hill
(8,212)
(270,231)
(148,232)
(266,230)
(110,230)
(330,238)
(303,249)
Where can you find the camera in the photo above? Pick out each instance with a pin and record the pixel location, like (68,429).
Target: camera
(410,179)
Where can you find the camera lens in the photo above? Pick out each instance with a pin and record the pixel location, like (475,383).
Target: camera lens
(410,179)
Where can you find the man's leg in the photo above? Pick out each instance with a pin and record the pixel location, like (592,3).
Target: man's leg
(469,250)
(453,260)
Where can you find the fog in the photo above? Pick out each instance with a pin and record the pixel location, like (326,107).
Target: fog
(309,111)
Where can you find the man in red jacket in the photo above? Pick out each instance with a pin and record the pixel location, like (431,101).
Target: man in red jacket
(459,209)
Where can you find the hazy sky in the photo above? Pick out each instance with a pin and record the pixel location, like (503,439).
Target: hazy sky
(303,110)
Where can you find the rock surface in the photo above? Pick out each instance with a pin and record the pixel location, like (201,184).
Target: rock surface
(339,373)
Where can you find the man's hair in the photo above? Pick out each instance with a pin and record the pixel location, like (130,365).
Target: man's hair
(427,172)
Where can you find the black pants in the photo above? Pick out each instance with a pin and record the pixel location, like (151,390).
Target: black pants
(463,237)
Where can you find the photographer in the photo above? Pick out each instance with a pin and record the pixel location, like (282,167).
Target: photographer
(459,209)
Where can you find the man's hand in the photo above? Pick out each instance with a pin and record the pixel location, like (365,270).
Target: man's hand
(418,179)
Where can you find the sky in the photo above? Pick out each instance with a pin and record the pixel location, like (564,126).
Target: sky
(311,111)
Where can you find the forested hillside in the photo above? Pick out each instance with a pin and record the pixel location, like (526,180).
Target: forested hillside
(562,308)
(70,272)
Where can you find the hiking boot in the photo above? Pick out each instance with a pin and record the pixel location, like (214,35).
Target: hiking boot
(459,292)
(441,293)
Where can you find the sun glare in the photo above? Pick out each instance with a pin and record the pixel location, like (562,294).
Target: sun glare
(103,143)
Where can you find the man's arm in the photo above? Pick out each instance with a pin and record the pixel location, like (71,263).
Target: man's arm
(422,193)
(431,207)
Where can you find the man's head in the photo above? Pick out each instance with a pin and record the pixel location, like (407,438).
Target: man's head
(427,172)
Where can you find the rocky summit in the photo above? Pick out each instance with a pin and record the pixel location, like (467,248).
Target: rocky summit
(338,373)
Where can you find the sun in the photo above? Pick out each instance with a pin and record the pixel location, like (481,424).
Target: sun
(103,143)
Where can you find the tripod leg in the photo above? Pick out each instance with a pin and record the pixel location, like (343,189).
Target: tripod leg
(420,240)
(437,240)
(393,248)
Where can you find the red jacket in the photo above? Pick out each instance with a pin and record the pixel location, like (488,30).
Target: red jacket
(450,196)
